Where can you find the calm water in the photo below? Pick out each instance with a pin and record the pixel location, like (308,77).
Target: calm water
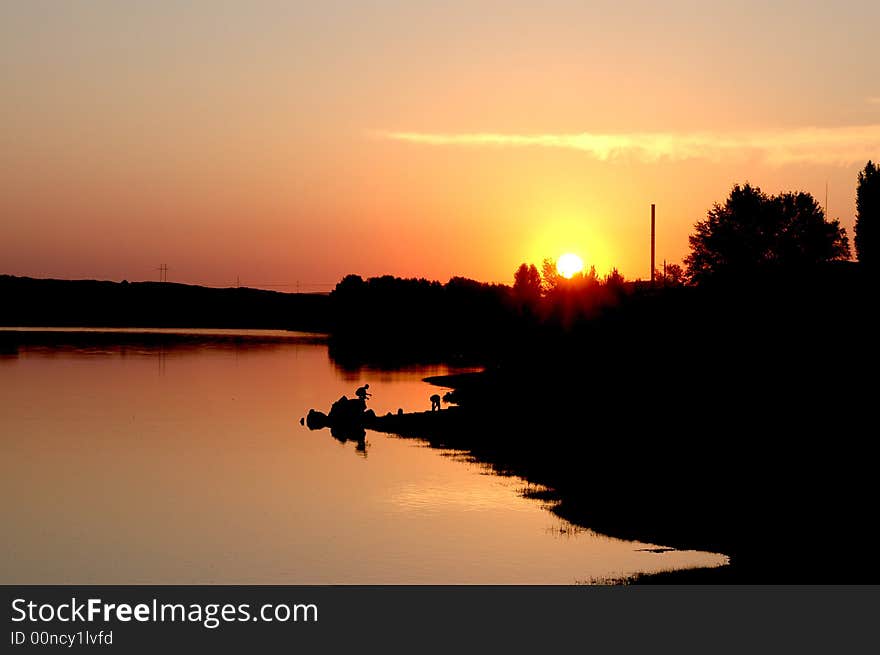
(127,462)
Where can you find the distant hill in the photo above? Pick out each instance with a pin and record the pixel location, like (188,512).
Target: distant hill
(28,301)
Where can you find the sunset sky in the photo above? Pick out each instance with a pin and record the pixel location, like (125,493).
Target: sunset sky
(288,141)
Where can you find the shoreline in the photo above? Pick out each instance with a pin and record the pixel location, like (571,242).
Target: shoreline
(685,496)
(434,428)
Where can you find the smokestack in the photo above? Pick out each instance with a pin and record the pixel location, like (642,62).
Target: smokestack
(652,243)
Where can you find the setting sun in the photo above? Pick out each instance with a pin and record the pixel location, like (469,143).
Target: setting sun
(569,264)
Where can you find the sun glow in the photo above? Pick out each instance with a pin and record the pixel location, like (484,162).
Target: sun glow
(569,264)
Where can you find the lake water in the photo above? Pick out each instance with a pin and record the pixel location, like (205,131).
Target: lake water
(180,459)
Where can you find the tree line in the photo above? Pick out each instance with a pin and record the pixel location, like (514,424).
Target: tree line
(749,235)
(753,233)
(771,245)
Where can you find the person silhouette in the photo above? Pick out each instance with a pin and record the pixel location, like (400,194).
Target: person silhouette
(362,392)
(435,402)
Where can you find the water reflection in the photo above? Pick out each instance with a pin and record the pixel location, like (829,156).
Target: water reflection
(180,459)
(356,436)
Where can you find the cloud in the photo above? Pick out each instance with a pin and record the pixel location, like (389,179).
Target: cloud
(874,100)
(813,145)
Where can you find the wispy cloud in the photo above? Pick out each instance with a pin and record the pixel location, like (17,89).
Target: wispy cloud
(873,100)
(814,145)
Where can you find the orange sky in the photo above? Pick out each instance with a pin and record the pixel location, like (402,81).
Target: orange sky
(280,142)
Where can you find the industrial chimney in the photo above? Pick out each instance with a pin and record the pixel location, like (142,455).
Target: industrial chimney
(652,244)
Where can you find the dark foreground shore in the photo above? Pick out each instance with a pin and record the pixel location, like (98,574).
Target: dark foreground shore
(737,419)
(762,483)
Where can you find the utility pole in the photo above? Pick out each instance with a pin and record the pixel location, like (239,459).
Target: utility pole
(652,244)
(163,273)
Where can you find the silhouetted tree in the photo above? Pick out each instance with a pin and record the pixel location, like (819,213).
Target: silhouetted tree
(867,214)
(550,276)
(350,284)
(752,232)
(614,280)
(672,276)
(527,284)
